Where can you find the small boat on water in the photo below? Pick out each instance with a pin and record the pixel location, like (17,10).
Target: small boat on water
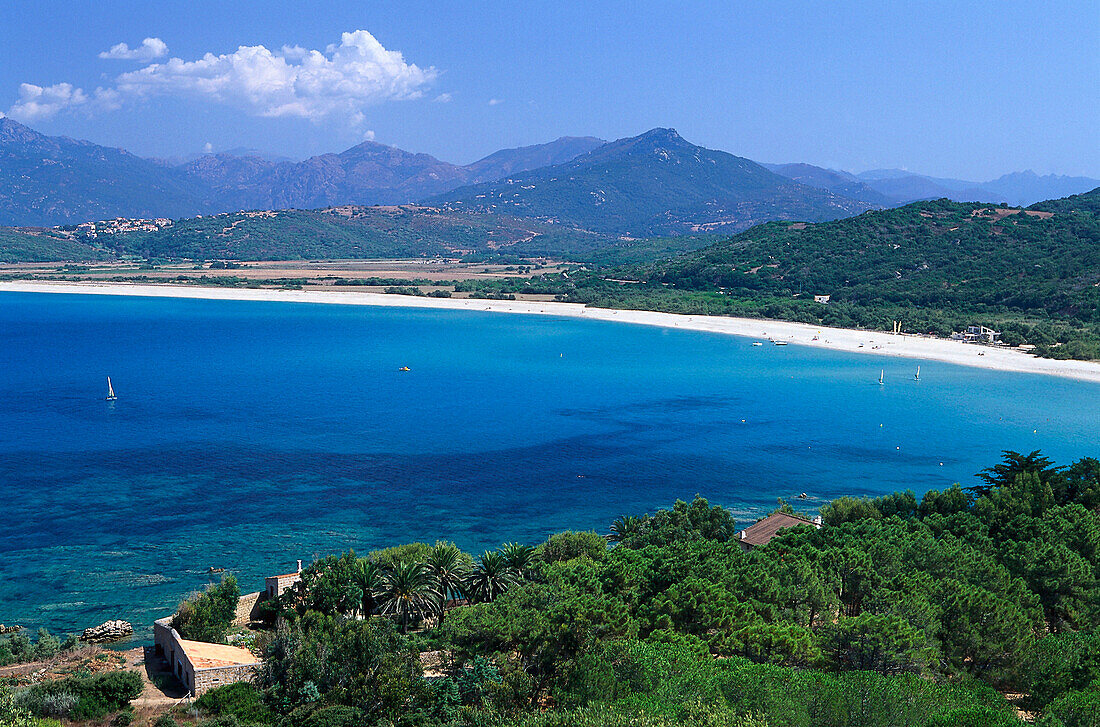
(881,374)
(780,343)
(916,376)
(757,343)
(110,391)
(404,368)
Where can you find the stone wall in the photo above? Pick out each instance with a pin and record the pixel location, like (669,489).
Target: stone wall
(245,607)
(206,679)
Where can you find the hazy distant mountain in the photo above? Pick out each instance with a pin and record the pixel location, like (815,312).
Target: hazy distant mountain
(903,187)
(48,180)
(369,173)
(653,184)
(837,182)
(510,161)
(1028,187)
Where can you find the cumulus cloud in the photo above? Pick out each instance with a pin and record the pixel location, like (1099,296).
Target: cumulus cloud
(42,102)
(340,81)
(149,49)
(496,101)
(443,98)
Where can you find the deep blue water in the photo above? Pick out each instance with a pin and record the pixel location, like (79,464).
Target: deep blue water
(250,434)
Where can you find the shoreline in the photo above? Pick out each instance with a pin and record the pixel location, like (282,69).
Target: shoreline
(874,343)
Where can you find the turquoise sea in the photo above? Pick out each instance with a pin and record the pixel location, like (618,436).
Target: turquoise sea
(250,434)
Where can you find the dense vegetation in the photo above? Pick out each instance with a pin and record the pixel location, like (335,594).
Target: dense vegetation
(898,612)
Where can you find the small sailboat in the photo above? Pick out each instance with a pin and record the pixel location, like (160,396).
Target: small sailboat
(404,368)
(881,374)
(916,376)
(110,391)
(757,343)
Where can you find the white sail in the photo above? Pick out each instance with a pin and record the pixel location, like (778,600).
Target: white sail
(880,375)
(110,390)
(917,376)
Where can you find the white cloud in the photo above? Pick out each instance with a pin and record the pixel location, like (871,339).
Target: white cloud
(368,135)
(340,81)
(443,98)
(496,101)
(208,148)
(149,49)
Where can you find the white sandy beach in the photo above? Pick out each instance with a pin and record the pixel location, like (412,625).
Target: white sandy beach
(838,339)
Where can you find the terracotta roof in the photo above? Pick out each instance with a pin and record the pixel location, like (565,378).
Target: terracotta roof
(206,656)
(762,532)
(288,575)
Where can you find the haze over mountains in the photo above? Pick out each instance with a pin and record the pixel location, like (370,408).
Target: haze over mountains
(892,187)
(655,183)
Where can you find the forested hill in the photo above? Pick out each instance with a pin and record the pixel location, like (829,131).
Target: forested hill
(653,184)
(937,256)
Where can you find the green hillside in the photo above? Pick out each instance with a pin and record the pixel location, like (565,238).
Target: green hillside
(22,246)
(350,232)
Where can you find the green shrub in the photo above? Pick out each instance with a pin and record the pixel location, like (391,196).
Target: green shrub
(975,717)
(1074,709)
(165,720)
(336,716)
(241,700)
(207,616)
(85,698)
(569,545)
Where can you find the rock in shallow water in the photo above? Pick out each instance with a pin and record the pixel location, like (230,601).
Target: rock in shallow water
(108,631)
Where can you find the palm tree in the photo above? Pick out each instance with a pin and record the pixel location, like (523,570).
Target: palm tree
(408,591)
(625,527)
(367,577)
(520,558)
(491,577)
(449,567)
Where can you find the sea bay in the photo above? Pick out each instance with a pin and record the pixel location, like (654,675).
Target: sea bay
(250,434)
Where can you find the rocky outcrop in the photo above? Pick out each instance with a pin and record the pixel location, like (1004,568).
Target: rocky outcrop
(109,631)
(9,629)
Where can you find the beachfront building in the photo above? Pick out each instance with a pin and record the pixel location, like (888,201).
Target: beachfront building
(762,531)
(978,334)
(200,666)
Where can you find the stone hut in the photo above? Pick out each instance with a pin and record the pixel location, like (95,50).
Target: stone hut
(199,666)
(275,585)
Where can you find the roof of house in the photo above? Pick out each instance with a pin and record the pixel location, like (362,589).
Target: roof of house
(206,656)
(762,532)
(285,575)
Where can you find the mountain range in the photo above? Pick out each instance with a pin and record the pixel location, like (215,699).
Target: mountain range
(655,183)
(893,187)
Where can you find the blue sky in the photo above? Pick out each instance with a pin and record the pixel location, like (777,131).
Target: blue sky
(963,89)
